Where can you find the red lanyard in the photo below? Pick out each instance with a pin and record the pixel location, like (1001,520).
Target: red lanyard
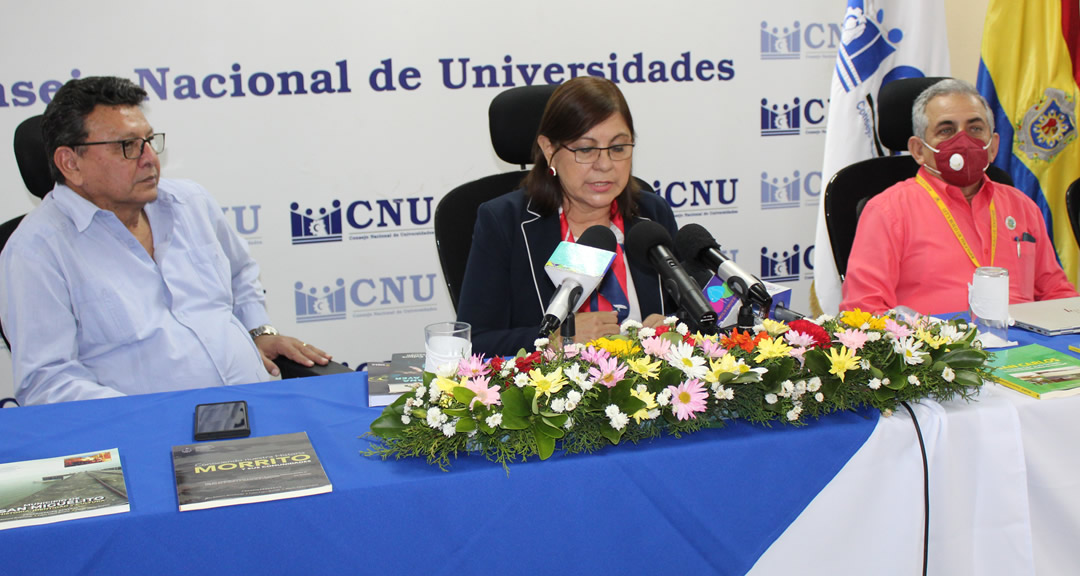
(619,265)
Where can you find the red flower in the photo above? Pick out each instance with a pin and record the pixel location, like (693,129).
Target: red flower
(496,364)
(820,336)
(662,329)
(527,363)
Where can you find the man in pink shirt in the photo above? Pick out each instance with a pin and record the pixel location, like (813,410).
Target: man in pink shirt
(918,243)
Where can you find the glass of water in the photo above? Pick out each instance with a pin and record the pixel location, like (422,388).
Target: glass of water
(988,299)
(446,343)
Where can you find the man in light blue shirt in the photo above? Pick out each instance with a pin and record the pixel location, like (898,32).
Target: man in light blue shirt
(122,283)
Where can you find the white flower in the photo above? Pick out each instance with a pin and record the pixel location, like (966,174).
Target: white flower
(618,420)
(409,403)
(611,410)
(571,406)
(540,343)
(577,376)
(629,324)
(885,381)
(653,414)
(724,393)
(646,332)
(573,396)
(874,383)
(947,374)
(823,319)
(909,349)
(494,420)
(682,329)
(951,332)
(405,419)
(770,398)
(507,368)
(800,388)
(449,429)
(864,364)
(872,337)
(521,380)
(664,397)
(435,417)
(682,357)
(814,385)
(433,394)
(794,413)
(569,423)
(558,405)
(420,391)
(671,320)
(886,413)
(448,370)
(914,380)
(787,387)
(819,397)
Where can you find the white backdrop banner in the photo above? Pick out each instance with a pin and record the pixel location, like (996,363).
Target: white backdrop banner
(329,130)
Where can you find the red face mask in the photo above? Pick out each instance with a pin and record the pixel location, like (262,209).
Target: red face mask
(961,160)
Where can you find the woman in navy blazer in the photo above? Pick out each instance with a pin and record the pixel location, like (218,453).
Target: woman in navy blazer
(580,178)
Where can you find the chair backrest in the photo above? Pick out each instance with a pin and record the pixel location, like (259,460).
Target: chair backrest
(1072,205)
(851,187)
(513,119)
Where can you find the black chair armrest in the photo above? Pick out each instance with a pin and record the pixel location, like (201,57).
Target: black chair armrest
(291,369)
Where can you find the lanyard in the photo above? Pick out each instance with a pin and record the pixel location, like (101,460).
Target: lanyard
(956,229)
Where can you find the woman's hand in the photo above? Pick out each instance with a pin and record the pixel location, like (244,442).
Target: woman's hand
(593,325)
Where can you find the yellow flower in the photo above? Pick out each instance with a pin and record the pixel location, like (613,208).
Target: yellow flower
(856,318)
(644,368)
(699,338)
(621,347)
(842,361)
(933,341)
(729,363)
(773,327)
(771,348)
(547,384)
(447,385)
(642,393)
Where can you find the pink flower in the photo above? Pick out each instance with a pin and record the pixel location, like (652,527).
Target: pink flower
(799,339)
(608,372)
(594,355)
(656,347)
(570,351)
(713,348)
(688,398)
(549,354)
(896,329)
(473,366)
(485,395)
(798,352)
(853,339)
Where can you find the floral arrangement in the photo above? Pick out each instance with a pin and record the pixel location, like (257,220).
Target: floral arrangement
(650,381)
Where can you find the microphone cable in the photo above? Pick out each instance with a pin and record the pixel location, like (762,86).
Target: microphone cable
(926,487)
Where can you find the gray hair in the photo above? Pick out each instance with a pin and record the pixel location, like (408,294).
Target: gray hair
(919,121)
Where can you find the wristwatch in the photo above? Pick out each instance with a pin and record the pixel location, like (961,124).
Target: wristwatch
(263,330)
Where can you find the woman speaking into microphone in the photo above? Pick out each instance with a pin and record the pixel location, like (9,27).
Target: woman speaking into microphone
(580,178)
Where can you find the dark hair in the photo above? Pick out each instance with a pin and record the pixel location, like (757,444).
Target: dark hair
(574,109)
(64,123)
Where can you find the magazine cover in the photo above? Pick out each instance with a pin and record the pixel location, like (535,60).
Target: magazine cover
(388,380)
(229,472)
(1037,371)
(63,488)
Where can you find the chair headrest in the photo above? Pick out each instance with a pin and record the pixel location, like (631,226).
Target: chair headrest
(895,101)
(514,117)
(31,157)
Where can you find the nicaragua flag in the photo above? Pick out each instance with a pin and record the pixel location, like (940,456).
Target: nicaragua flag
(1029,75)
(882,40)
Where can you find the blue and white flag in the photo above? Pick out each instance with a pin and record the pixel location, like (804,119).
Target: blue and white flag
(882,40)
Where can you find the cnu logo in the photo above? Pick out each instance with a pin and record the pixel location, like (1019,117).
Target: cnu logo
(788,192)
(864,46)
(329,303)
(780,267)
(307,228)
(697,192)
(815,40)
(779,45)
(786,120)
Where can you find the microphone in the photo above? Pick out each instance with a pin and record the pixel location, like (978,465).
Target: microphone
(695,243)
(577,270)
(650,242)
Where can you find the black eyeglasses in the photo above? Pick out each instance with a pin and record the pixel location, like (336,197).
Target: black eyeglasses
(133,147)
(588,155)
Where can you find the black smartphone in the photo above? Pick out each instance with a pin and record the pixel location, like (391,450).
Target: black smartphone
(222,420)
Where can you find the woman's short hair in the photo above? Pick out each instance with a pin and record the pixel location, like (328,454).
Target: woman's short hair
(574,109)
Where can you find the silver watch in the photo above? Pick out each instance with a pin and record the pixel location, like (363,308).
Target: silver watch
(262,331)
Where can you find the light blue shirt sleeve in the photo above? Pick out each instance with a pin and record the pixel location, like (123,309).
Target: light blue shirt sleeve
(90,314)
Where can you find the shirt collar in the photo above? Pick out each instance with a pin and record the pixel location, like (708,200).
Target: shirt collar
(82,211)
(946,190)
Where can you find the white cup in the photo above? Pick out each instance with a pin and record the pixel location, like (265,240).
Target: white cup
(445,343)
(988,301)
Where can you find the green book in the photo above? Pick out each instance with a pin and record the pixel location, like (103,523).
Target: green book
(1037,371)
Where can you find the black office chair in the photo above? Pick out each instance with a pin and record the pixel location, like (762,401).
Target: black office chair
(851,187)
(1072,205)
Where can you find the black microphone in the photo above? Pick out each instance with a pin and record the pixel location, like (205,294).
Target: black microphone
(576,274)
(695,243)
(650,242)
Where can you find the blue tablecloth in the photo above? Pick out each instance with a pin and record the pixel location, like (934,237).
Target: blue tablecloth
(709,502)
